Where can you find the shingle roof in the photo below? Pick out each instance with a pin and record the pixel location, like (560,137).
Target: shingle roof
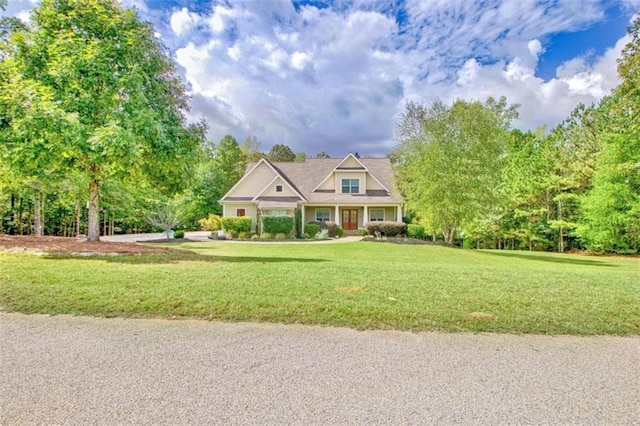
(307,175)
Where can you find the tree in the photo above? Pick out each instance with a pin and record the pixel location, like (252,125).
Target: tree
(301,157)
(449,159)
(611,208)
(114,93)
(281,153)
(251,149)
(322,154)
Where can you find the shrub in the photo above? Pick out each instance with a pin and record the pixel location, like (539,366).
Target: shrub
(281,236)
(211,223)
(255,236)
(322,235)
(339,232)
(299,223)
(329,225)
(363,232)
(415,231)
(236,224)
(244,235)
(266,236)
(277,224)
(311,229)
(386,228)
(178,234)
(232,233)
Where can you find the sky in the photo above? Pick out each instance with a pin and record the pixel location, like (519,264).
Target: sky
(333,76)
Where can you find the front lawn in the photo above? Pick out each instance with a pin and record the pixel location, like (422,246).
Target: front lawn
(363,285)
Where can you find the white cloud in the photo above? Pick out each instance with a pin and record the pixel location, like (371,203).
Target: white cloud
(334,79)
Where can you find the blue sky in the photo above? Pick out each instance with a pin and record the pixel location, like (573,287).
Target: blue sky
(334,75)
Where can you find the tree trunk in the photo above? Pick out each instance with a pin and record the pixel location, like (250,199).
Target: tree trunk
(93,230)
(78,210)
(37,215)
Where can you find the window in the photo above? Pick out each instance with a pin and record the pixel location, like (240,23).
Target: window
(278,188)
(376,215)
(350,186)
(323,215)
(241,212)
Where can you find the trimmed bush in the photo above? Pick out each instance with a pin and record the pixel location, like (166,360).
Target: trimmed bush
(211,223)
(386,228)
(236,224)
(277,224)
(339,232)
(299,223)
(311,229)
(244,235)
(178,234)
(415,231)
(281,236)
(266,236)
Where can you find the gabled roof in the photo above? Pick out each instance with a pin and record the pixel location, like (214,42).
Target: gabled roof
(278,174)
(305,177)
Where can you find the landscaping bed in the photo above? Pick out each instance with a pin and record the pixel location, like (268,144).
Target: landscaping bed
(75,246)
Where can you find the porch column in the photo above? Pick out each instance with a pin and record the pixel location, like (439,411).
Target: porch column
(365,219)
(302,215)
(399,214)
(338,215)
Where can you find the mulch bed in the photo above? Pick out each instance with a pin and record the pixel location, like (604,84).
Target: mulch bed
(75,246)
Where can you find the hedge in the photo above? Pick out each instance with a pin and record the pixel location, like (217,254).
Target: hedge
(236,224)
(415,231)
(387,228)
(311,229)
(277,224)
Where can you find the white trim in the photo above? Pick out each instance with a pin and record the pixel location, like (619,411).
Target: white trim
(244,177)
(278,186)
(262,160)
(379,183)
(271,182)
(355,158)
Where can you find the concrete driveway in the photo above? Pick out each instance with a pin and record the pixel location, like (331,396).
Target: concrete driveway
(78,370)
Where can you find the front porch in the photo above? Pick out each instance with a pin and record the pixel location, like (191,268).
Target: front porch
(351,218)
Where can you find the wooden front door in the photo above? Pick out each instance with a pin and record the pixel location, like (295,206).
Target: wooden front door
(350,219)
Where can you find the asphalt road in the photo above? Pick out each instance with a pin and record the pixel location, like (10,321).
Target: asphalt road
(78,370)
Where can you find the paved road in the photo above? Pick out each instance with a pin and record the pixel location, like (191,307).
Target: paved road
(78,370)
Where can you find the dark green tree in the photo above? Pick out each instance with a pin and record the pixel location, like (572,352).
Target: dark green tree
(280,153)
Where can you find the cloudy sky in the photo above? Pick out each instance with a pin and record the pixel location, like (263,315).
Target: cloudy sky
(334,75)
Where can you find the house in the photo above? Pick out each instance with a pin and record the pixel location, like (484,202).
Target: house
(350,191)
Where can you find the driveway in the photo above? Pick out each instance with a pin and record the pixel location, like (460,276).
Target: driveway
(79,370)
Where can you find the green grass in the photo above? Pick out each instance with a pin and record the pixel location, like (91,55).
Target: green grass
(362,285)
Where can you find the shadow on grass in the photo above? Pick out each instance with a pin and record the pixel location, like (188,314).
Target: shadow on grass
(557,258)
(185,256)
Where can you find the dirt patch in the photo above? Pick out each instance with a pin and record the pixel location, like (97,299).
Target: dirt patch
(75,246)
(482,315)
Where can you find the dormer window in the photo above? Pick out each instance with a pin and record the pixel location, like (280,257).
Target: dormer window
(278,188)
(350,186)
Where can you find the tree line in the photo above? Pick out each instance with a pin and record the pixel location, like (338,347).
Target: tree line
(468,176)
(95,140)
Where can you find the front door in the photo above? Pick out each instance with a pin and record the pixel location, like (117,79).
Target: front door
(350,219)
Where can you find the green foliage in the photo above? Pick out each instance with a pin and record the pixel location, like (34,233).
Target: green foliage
(178,234)
(281,236)
(277,224)
(105,100)
(311,229)
(236,223)
(329,225)
(281,153)
(339,232)
(612,208)
(415,231)
(266,236)
(244,235)
(165,216)
(386,228)
(299,229)
(449,159)
(211,223)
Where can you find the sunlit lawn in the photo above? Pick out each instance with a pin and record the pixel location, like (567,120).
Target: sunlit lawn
(364,285)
